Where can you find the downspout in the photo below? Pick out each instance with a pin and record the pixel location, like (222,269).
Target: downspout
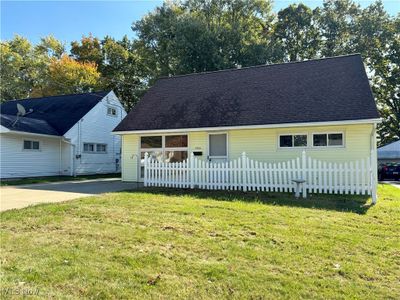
(374,165)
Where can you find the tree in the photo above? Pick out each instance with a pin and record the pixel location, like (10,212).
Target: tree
(88,49)
(198,35)
(21,68)
(120,70)
(42,70)
(296,36)
(377,38)
(336,24)
(68,76)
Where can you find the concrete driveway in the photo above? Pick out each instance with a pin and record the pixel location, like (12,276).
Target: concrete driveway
(26,195)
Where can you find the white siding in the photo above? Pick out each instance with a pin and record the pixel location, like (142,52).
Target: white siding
(96,127)
(16,162)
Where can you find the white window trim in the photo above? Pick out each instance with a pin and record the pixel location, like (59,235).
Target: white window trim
(34,150)
(327,139)
(293,147)
(94,148)
(102,152)
(227,145)
(114,108)
(163,149)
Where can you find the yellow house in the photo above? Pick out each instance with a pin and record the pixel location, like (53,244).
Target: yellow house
(272,112)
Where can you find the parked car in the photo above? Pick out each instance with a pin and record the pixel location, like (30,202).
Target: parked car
(389,171)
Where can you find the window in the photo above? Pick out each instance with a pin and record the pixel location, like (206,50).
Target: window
(111,111)
(218,145)
(88,147)
(293,140)
(167,148)
(151,142)
(94,148)
(101,148)
(176,141)
(328,140)
(335,139)
(31,145)
(320,140)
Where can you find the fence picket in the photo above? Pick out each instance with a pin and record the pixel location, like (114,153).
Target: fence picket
(275,184)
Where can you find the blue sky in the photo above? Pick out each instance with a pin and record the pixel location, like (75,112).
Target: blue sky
(69,20)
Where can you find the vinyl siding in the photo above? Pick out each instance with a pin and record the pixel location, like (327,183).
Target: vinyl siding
(17,162)
(198,141)
(95,127)
(262,145)
(130,157)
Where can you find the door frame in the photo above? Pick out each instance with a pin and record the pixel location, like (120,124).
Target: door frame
(227,144)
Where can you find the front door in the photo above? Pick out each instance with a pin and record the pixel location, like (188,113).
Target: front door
(218,147)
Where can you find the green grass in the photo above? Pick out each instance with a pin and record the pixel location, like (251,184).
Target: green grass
(168,244)
(47,179)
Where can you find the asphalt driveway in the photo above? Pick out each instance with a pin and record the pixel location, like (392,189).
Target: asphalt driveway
(26,195)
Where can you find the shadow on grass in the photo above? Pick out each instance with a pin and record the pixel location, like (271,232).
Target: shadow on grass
(344,203)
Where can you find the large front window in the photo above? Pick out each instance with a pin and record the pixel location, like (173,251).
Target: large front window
(164,148)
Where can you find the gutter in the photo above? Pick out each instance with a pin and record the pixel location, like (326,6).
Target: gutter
(280,125)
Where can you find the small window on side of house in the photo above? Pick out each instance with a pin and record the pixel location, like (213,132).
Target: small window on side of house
(88,147)
(31,145)
(101,148)
(335,139)
(111,111)
(292,140)
(328,140)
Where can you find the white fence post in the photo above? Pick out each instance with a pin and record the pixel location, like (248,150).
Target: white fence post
(304,173)
(244,172)
(146,158)
(192,171)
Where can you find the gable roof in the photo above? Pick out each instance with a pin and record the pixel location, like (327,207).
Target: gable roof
(53,115)
(330,89)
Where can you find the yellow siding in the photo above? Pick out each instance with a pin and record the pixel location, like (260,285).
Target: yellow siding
(262,145)
(130,158)
(198,141)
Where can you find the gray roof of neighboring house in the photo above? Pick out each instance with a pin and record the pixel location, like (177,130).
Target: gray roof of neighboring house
(330,89)
(53,115)
(389,151)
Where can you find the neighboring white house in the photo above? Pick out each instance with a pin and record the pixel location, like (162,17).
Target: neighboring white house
(60,135)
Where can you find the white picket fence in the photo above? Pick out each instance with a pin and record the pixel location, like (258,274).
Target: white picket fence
(248,175)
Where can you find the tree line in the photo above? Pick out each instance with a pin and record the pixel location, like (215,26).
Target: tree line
(206,35)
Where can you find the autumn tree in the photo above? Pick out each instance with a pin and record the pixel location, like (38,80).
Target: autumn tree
(68,76)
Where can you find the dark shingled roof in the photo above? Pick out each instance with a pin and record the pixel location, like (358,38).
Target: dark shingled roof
(330,89)
(27,124)
(51,115)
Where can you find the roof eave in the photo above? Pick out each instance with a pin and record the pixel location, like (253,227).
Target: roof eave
(280,125)
(31,133)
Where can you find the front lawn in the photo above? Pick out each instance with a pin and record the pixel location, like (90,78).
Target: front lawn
(165,244)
